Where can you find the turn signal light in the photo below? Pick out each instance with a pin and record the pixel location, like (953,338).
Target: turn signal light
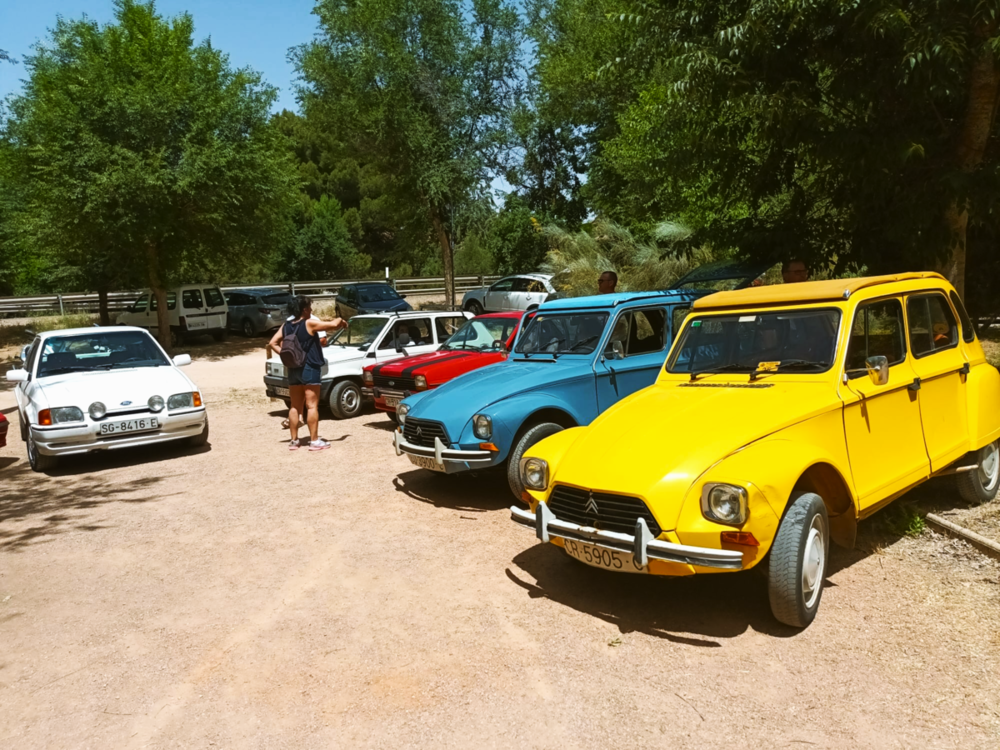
(488,447)
(744,538)
(196,397)
(45,417)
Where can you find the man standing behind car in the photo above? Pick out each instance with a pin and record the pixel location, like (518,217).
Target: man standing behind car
(607,282)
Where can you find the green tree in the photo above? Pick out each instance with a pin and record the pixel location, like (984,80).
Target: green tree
(323,248)
(422,91)
(514,238)
(143,155)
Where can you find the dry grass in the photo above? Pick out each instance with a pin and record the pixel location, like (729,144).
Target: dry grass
(991,345)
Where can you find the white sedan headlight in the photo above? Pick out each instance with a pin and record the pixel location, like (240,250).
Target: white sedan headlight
(401,411)
(155,403)
(97,411)
(482,426)
(535,473)
(184,401)
(64,414)
(724,503)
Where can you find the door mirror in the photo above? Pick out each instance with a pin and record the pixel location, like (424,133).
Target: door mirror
(182,360)
(618,350)
(23,356)
(17,376)
(878,369)
(402,296)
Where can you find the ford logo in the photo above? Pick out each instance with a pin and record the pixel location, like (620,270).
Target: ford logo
(392,382)
(126,403)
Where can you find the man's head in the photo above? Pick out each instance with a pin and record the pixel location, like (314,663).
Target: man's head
(793,271)
(607,282)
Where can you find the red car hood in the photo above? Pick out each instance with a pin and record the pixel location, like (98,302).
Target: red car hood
(438,367)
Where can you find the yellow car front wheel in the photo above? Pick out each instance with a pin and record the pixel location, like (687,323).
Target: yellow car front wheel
(798,561)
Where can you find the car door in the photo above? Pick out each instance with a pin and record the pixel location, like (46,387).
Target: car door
(215,307)
(347,300)
(940,368)
(193,309)
(24,389)
(519,296)
(238,309)
(138,314)
(882,426)
(496,297)
(642,335)
(446,325)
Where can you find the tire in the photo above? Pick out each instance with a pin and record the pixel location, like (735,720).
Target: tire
(288,403)
(392,415)
(199,440)
(248,328)
(37,461)
(533,435)
(980,486)
(798,561)
(176,339)
(220,336)
(475,308)
(345,399)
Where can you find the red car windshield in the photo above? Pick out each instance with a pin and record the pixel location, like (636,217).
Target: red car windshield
(481,334)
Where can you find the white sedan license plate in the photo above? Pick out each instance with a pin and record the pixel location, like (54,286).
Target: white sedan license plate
(279,391)
(130,425)
(598,557)
(393,402)
(425,462)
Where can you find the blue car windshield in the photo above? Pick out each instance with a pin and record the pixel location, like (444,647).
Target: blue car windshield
(799,340)
(567,333)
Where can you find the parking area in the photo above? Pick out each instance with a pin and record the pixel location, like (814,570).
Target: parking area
(241,595)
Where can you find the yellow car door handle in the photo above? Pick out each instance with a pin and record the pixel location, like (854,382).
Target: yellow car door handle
(915,385)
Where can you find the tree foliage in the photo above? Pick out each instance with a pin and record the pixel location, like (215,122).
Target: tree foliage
(143,156)
(421,90)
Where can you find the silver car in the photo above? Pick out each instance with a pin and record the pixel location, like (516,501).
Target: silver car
(510,293)
(256,311)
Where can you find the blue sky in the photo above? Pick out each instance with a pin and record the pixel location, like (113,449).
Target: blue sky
(254,33)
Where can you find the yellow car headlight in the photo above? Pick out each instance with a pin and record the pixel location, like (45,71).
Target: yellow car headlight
(535,473)
(724,503)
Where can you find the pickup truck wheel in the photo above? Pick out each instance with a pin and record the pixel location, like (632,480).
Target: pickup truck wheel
(533,435)
(37,461)
(197,441)
(980,486)
(798,560)
(475,308)
(345,399)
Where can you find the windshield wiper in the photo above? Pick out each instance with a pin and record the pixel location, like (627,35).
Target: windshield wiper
(584,342)
(61,370)
(731,367)
(787,363)
(126,362)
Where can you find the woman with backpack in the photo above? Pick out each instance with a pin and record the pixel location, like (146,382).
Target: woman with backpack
(298,345)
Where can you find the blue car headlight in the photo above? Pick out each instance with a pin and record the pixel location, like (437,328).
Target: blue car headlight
(401,411)
(482,426)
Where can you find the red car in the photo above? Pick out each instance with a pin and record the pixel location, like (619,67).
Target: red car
(481,341)
(4,424)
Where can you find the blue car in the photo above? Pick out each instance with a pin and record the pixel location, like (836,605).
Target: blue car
(574,359)
(368,297)
(571,361)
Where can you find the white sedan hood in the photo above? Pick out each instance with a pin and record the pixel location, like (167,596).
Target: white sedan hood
(337,354)
(113,387)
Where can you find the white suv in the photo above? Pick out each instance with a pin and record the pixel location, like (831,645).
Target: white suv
(368,339)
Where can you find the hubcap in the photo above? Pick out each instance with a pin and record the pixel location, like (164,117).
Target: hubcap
(247,328)
(349,400)
(989,465)
(813,562)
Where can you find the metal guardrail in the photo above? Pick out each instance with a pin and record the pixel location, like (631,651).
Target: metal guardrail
(87,302)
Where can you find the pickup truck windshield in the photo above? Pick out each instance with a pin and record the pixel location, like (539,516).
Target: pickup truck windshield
(99,351)
(568,333)
(360,332)
(789,340)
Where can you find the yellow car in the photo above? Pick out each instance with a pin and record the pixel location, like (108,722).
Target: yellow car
(781,417)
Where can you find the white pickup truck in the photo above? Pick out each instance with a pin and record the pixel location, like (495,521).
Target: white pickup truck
(368,339)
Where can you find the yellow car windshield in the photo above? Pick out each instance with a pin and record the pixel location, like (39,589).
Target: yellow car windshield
(753,342)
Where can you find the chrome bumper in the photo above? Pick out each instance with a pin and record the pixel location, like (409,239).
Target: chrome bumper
(61,441)
(642,546)
(440,453)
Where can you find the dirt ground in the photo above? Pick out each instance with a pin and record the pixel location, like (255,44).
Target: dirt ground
(245,596)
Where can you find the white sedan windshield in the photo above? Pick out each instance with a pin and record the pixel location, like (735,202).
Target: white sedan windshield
(99,351)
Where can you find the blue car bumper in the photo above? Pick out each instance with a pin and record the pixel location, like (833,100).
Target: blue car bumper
(444,458)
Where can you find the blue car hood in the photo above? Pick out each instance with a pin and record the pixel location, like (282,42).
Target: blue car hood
(458,400)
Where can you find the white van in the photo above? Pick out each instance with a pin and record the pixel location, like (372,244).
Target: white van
(202,310)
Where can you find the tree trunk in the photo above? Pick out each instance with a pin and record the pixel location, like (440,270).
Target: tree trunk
(984,82)
(160,293)
(102,306)
(447,257)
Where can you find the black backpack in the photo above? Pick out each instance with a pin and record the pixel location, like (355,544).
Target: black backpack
(292,354)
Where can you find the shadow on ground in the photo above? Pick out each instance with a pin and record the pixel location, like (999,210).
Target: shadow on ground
(35,507)
(475,493)
(205,348)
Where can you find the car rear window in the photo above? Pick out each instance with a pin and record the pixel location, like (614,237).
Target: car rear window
(214,297)
(191,299)
(276,299)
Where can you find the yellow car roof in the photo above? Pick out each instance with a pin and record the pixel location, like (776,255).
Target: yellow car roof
(804,291)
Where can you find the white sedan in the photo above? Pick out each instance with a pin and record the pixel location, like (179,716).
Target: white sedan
(87,389)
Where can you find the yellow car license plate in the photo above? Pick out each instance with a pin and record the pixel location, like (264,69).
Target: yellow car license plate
(598,557)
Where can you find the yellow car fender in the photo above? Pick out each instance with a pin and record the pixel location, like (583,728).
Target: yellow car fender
(780,465)
(551,450)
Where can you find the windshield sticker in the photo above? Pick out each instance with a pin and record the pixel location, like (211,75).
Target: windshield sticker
(748,318)
(768,366)
(695,323)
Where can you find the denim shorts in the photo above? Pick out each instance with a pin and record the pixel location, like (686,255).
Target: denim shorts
(307,375)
